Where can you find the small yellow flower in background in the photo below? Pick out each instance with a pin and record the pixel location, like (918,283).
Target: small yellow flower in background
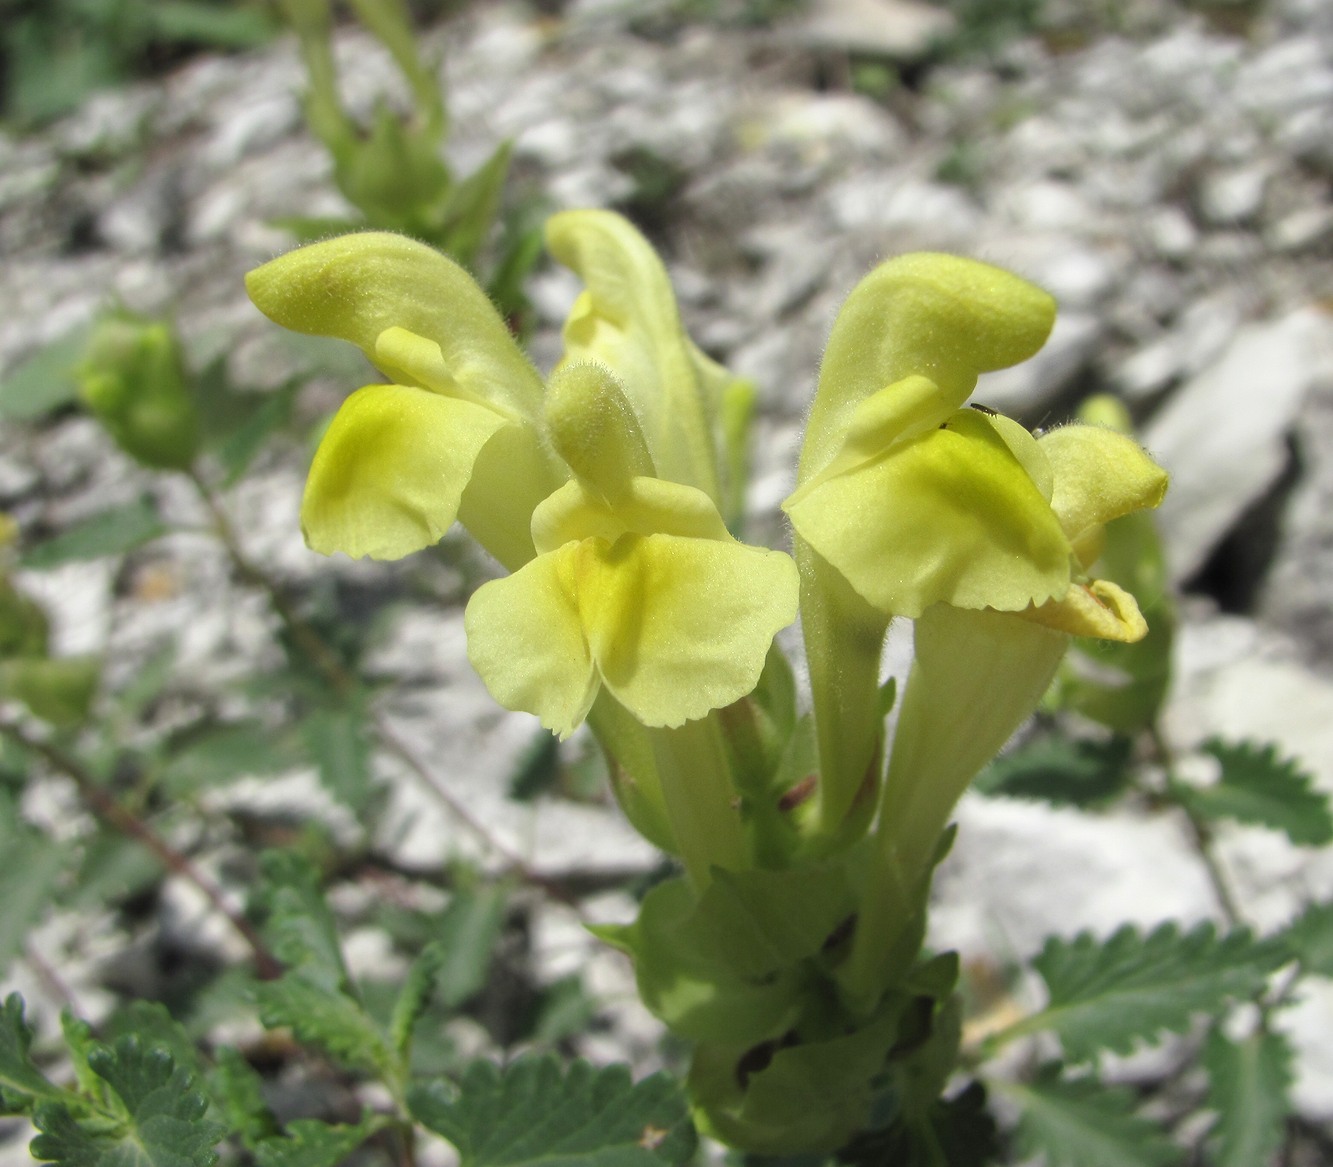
(637,587)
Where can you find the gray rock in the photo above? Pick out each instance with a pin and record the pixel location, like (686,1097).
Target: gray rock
(1222,435)
(902,29)
(1234,195)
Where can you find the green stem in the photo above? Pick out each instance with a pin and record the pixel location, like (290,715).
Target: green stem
(844,638)
(114,815)
(702,803)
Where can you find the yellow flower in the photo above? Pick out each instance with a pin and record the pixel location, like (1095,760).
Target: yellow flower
(637,586)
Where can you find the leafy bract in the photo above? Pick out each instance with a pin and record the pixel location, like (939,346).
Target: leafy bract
(533,1115)
(1257,786)
(156,1115)
(1110,995)
(1081,1122)
(1247,1087)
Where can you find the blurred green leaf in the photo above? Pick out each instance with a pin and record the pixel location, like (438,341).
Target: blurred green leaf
(1083,1122)
(114,531)
(45,381)
(239,1091)
(1257,786)
(33,865)
(327,1018)
(1062,771)
(215,755)
(21,1082)
(308,1143)
(338,741)
(1247,1088)
(297,923)
(1310,939)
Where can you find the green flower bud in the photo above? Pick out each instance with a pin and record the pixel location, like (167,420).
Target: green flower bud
(133,378)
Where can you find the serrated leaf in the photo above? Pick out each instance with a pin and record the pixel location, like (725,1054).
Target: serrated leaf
(309,1143)
(452,967)
(298,924)
(218,754)
(1062,771)
(533,1115)
(1247,1087)
(957,1131)
(33,865)
(1257,786)
(160,1120)
(1310,939)
(20,1079)
(1082,1122)
(1111,995)
(114,531)
(338,741)
(239,1091)
(327,1018)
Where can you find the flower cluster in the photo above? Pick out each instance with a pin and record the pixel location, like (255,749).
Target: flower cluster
(608,490)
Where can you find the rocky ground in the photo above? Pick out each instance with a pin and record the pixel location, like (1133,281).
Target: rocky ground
(1166,174)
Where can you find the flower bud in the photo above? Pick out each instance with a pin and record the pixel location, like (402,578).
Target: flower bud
(133,378)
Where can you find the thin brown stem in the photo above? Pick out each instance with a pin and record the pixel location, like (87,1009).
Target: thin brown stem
(318,652)
(105,807)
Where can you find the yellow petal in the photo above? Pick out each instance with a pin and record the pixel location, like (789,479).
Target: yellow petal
(951,517)
(627,319)
(681,626)
(649,506)
(389,473)
(357,286)
(1100,609)
(526,641)
(940,316)
(1100,474)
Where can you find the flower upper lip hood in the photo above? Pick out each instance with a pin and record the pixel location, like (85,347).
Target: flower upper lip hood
(457,432)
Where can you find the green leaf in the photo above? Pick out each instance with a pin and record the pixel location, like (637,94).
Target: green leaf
(33,865)
(309,1143)
(21,1082)
(1310,939)
(297,923)
(1114,994)
(239,1091)
(1247,1087)
(958,1131)
(158,1121)
(111,532)
(1256,786)
(45,381)
(327,1018)
(239,447)
(216,755)
(532,1114)
(453,967)
(338,741)
(223,26)
(1062,771)
(473,205)
(1082,1122)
